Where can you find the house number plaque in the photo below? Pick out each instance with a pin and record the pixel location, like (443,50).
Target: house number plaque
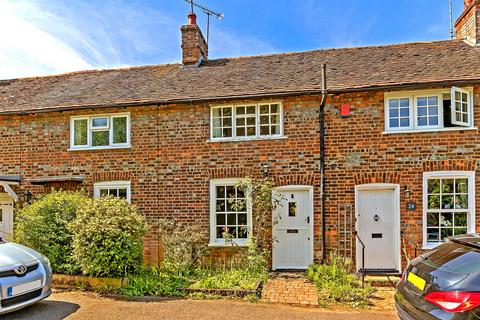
(411,206)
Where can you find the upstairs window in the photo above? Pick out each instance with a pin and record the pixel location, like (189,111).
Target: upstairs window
(100,131)
(249,121)
(427,111)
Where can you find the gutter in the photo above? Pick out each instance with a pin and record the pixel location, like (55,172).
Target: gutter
(322,158)
(313,92)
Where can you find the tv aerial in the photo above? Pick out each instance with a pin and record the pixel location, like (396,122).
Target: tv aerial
(207,11)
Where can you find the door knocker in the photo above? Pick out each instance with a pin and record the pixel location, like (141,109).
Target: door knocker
(376,218)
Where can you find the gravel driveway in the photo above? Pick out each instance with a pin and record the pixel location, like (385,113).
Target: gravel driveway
(90,306)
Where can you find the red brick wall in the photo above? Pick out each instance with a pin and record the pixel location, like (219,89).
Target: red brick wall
(171,160)
(358,153)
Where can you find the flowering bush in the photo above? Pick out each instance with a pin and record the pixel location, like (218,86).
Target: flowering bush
(107,237)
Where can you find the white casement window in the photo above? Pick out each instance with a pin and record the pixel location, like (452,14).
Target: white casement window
(100,131)
(230,213)
(118,189)
(429,110)
(249,121)
(448,205)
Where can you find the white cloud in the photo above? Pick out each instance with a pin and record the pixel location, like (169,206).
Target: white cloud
(26,50)
(39,37)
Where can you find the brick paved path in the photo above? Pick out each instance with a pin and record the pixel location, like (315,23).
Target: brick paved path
(290,288)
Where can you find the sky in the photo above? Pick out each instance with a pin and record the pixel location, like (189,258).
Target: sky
(42,37)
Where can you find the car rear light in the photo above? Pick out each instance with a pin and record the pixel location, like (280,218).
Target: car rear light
(454,301)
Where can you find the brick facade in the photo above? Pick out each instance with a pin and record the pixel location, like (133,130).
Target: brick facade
(171,160)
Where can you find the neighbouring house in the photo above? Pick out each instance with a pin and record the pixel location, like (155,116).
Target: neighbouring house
(402,145)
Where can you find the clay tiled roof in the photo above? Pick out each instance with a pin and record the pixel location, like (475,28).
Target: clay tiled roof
(365,68)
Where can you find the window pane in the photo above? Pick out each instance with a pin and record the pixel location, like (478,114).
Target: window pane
(264,119)
(404,122)
(422,121)
(434,186)
(447,185)
(422,111)
(227,111)
(393,113)
(461,185)
(264,109)
(434,202)
(99,122)
(220,192)
(120,130)
(100,138)
(445,233)
(122,193)
(217,112)
(274,108)
(242,219)
(461,201)
(446,219)
(232,219)
(103,192)
(220,206)
(251,109)
(80,132)
(432,219)
(404,103)
(421,102)
(458,231)
(404,112)
(433,234)
(461,219)
(220,219)
(394,123)
(447,202)
(393,103)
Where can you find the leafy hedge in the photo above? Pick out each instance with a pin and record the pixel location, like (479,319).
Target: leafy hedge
(107,237)
(42,226)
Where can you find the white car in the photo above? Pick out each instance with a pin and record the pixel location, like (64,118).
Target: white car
(25,276)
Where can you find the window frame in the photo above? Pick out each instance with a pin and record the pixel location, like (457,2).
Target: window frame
(469,107)
(113,185)
(91,129)
(257,135)
(213,213)
(470,175)
(413,107)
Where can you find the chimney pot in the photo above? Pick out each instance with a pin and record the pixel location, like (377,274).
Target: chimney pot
(192,18)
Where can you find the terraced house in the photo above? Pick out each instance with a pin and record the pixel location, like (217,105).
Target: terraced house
(401,143)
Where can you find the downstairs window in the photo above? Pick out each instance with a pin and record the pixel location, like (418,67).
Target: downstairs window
(449,205)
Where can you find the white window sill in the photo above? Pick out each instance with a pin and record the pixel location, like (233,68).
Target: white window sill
(430,130)
(247,139)
(222,244)
(99,148)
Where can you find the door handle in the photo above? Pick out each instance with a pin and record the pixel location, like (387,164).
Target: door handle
(308,219)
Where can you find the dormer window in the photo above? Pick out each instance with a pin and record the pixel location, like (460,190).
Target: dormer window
(429,110)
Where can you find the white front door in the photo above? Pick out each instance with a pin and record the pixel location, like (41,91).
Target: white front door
(378,227)
(6,215)
(293,228)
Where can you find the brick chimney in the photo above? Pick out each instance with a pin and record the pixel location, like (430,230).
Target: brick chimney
(467,26)
(194,46)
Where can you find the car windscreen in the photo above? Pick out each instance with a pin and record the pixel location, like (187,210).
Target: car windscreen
(454,257)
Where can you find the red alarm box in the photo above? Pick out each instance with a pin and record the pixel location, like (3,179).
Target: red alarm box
(345,110)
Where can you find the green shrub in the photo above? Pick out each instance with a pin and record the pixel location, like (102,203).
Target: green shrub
(42,226)
(107,237)
(227,279)
(153,282)
(336,283)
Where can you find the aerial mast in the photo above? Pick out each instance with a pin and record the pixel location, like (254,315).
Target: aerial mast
(207,11)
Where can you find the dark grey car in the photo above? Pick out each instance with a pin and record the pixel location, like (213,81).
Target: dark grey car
(443,283)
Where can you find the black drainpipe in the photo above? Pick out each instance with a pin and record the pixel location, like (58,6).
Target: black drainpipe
(322,156)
